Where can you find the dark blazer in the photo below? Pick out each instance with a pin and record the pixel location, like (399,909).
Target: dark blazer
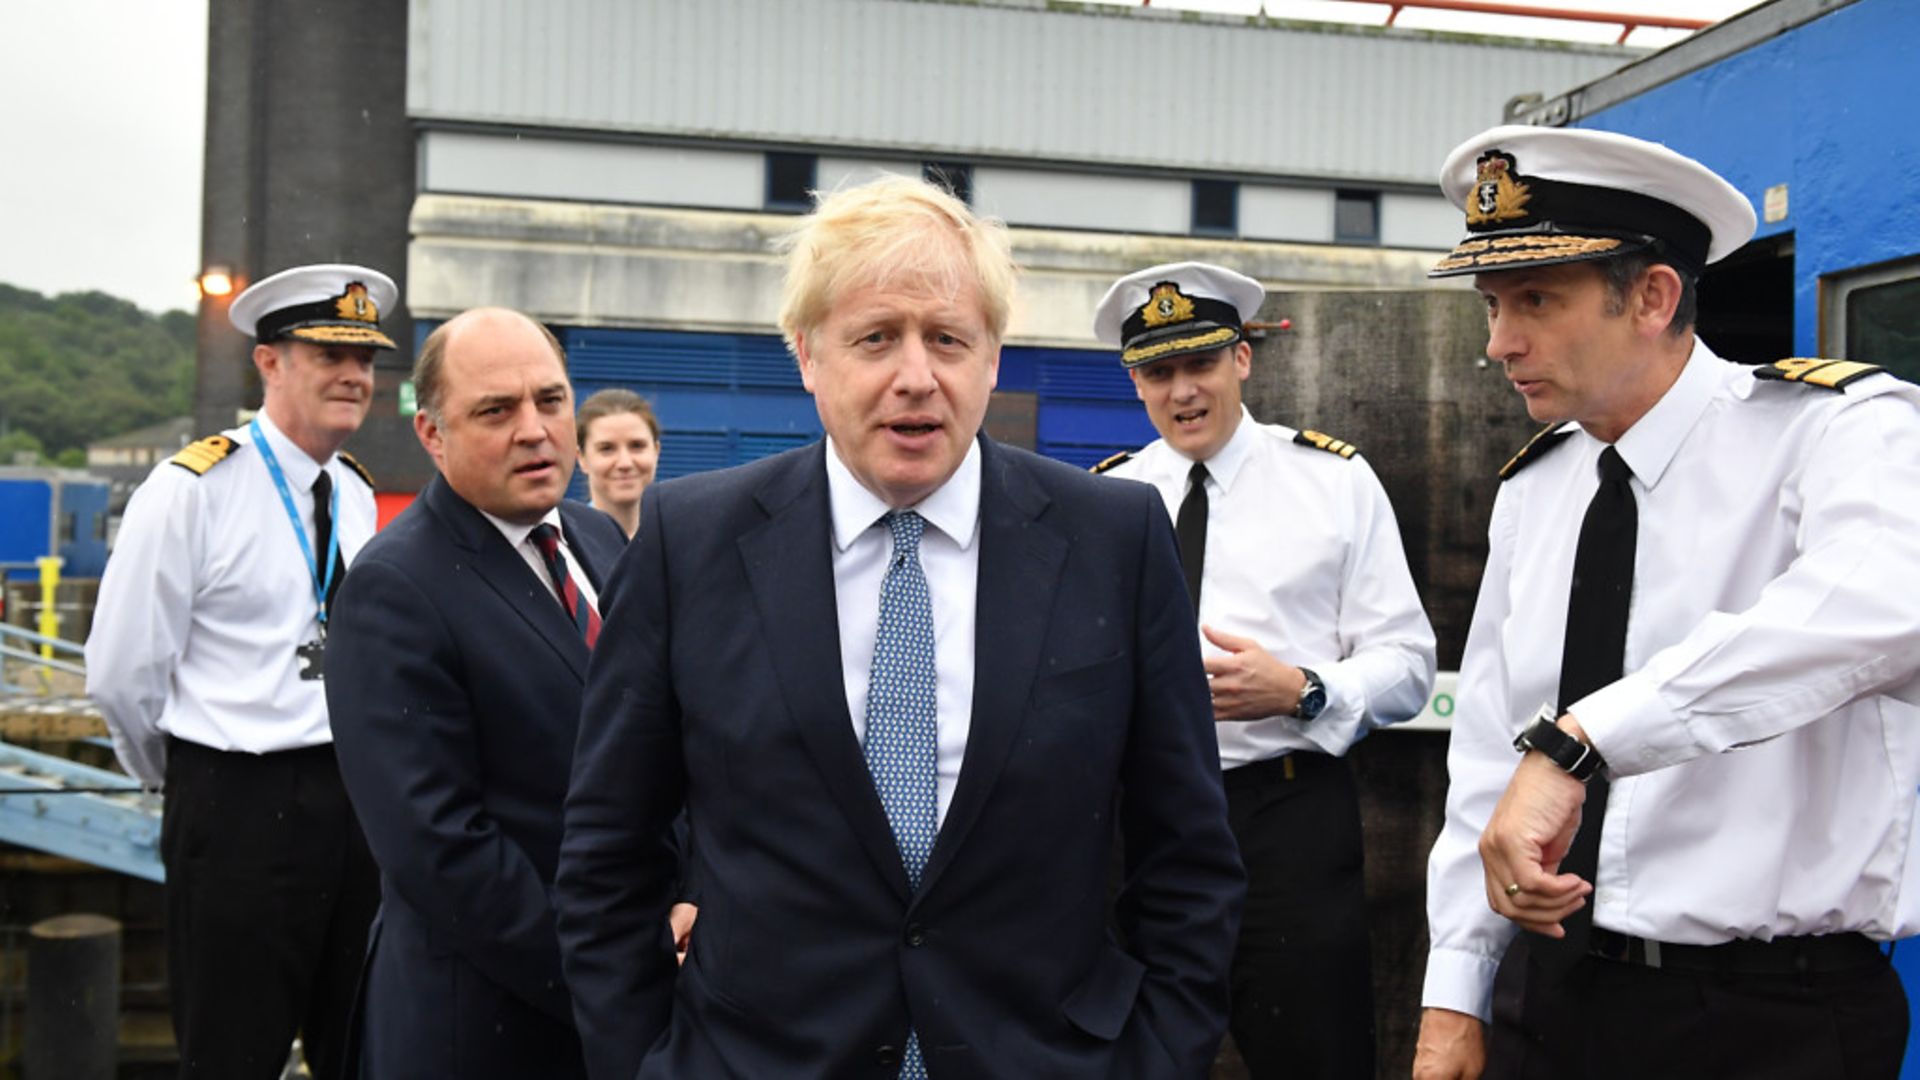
(453,683)
(718,681)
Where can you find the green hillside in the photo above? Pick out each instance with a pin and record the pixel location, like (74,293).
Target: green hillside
(84,366)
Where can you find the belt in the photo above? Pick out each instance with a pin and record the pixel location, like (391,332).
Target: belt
(1746,956)
(1293,765)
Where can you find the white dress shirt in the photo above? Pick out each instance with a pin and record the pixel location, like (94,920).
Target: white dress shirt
(1765,744)
(520,539)
(950,559)
(206,598)
(1304,557)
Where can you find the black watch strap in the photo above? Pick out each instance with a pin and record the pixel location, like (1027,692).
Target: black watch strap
(1313,697)
(1574,757)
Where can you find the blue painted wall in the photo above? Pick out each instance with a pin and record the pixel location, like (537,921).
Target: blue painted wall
(1827,108)
(29,529)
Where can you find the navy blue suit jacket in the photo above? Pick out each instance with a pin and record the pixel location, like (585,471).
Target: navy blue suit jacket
(453,683)
(718,682)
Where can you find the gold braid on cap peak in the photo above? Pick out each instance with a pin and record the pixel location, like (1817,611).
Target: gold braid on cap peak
(1183,344)
(1496,251)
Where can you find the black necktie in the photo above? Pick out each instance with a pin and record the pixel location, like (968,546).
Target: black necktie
(1593,656)
(1190,528)
(323,532)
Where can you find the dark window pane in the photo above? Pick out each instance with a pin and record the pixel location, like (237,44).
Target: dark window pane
(790,181)
(953,176)
(1883,326)
(1356,217)
(1216,208)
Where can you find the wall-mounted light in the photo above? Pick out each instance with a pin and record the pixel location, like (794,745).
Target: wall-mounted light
(216,281)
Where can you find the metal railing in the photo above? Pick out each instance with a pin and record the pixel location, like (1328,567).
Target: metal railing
(36,651)
(51,803)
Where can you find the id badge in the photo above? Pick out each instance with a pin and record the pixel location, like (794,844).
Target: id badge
(312,657)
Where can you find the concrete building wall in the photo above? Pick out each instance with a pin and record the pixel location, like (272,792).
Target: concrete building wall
(1402,375)
(591,264)
(1064,200)
(534,167)
(1281,213)
(1418,221)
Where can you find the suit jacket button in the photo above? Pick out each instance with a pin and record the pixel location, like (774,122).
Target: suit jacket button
(887,1055)
(916,936)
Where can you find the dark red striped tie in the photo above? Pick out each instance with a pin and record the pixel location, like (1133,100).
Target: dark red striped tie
(547,539)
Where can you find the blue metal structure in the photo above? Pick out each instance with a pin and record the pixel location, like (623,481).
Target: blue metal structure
(1801,97)
(53,512)
(119,830)
(62,807)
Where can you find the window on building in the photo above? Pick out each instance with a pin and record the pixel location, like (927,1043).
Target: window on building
(790,181)
(952,175)
(1356,217)
(1216,208)
(1873,315)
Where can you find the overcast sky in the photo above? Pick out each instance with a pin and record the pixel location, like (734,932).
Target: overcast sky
(106,109)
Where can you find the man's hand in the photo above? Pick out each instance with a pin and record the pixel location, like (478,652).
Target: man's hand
(1451,1046)
(1524,841)
(1248,683)
(680,920)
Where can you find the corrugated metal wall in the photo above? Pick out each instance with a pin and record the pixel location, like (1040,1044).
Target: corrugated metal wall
(1122,85)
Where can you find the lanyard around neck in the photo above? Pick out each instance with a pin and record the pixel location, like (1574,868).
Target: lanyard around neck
(320,583)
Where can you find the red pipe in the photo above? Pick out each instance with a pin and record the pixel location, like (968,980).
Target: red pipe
(1487,7)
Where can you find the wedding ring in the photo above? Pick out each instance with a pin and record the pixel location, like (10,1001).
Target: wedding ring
(1513,890)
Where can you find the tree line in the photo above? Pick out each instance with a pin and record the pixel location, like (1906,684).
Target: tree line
(83,366)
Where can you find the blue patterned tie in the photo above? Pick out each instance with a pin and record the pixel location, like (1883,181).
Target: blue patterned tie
(901,732)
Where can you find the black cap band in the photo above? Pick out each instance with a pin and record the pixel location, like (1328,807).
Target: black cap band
(275,324)
(1562,207)
(1207,312)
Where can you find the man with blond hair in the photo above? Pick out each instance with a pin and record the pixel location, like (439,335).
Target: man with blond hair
(905,681)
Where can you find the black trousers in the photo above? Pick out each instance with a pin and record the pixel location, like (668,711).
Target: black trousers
(1302,980)
(270,890)
(1608,1019)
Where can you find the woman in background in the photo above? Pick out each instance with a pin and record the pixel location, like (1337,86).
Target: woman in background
(619,447)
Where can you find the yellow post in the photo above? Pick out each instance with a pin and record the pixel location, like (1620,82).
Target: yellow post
(49,588)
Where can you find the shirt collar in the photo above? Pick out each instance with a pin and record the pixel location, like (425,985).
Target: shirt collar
(1225,464)
(517,533)
(1649,445)
(299,469)
(953,508)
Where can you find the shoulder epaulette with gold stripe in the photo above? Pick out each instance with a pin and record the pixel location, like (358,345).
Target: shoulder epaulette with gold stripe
(1815,371)
(1113,462)
(1320,441)
(354,464)
(198,457)
(1543,440)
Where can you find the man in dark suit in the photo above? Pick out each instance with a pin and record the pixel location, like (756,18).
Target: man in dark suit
(460,646)
(906,682)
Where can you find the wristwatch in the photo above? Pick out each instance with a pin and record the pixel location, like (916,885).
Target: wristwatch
(1313,697)
(1574,757)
